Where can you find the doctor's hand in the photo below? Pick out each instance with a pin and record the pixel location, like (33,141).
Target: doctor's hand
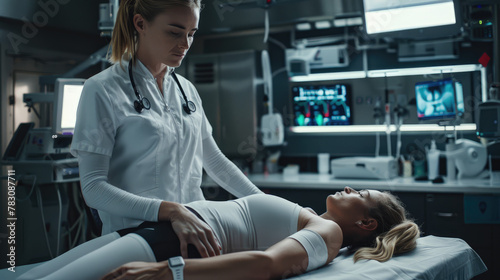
(140,270)
(189,229)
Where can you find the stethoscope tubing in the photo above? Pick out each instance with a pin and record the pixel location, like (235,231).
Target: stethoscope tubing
(143,103)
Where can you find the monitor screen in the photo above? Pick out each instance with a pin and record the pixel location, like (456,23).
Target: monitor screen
(489,120)
(436,100)
(459,94)
(322,105)
(67,96)
(488,124)
(413,19)
(17,142)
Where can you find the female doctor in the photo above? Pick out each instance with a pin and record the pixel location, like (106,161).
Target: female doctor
(142,137)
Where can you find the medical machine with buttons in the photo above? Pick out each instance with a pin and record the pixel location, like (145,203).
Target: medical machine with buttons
(43,152)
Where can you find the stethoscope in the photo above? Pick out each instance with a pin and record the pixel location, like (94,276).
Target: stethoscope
(143,103)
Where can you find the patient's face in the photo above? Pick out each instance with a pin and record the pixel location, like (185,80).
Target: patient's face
(350,206)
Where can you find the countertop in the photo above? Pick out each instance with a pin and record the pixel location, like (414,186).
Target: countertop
(327,181)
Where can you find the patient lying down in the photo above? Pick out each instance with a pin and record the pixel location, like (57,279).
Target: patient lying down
(261,236)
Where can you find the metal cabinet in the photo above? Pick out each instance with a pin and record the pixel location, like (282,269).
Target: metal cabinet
(228,86)
(445,217)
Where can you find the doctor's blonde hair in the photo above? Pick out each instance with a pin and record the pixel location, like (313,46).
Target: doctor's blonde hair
(124,38)
(395,233)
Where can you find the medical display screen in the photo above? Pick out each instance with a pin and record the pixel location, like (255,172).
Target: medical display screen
(488,125)
(459,94)
(322,105)
(70,104)
(66,99)
(436,100)
(389,16)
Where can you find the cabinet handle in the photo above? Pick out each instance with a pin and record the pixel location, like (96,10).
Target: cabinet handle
(446,215)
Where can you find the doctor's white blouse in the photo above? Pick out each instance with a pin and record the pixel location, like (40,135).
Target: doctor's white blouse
(154,155)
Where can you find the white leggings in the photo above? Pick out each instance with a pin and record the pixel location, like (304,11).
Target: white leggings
(93,259)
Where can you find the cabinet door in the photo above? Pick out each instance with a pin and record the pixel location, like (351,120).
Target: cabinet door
(203,72)
(444,215)
(238,97)
(445,218)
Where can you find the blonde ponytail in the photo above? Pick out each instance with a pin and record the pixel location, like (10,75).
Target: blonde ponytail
(124,39)
(400,239)
(395,233)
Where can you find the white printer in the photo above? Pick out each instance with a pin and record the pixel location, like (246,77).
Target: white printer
(364,167)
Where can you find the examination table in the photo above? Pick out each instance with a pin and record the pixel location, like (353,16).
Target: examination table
(434,258)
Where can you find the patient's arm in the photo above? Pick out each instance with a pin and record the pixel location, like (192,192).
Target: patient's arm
(284,259)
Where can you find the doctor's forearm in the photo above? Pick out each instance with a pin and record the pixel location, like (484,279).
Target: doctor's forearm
(224,172)
(101,195)
(106,197)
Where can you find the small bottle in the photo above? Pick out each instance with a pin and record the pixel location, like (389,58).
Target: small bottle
(451,172)
(433,161)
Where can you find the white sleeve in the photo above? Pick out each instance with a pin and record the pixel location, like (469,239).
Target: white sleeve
(101,195)
(95,126)
(315,246)
(224,172)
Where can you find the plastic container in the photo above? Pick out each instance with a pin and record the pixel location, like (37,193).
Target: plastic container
(432,161)
(323,163)
(451,169)
(291,172)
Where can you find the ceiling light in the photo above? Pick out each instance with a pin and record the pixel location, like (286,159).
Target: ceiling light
(303,26)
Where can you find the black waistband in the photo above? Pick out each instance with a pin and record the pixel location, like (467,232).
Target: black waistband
(162,238)
(195,213)
(125,231)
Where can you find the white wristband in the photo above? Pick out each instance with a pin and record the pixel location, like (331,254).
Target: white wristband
(176,265)
(315,246)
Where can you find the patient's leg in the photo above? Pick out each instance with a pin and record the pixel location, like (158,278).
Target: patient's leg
(68,257)
(98,263)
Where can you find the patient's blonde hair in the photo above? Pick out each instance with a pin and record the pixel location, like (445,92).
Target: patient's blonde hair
(395,233)
(124,38)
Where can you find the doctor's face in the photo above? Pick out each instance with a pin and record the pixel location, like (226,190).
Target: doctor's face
(167,38)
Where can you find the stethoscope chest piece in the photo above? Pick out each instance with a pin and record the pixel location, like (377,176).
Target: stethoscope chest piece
(143,103)
(189,107)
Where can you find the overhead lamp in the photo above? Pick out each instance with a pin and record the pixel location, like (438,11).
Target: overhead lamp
(397,73)
(303,26)
(322,24)
(423,70)
(329,76)
(344,21)
(381,128)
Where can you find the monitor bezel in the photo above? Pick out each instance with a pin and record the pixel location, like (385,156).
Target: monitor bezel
(480,131)
(448,117)
(423,33)
(17,142)
(58,102)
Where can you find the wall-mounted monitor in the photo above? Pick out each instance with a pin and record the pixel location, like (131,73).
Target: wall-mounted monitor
(459,97)
(67,94)
(321,105)
(411,19)
(439,100)
(488,124)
